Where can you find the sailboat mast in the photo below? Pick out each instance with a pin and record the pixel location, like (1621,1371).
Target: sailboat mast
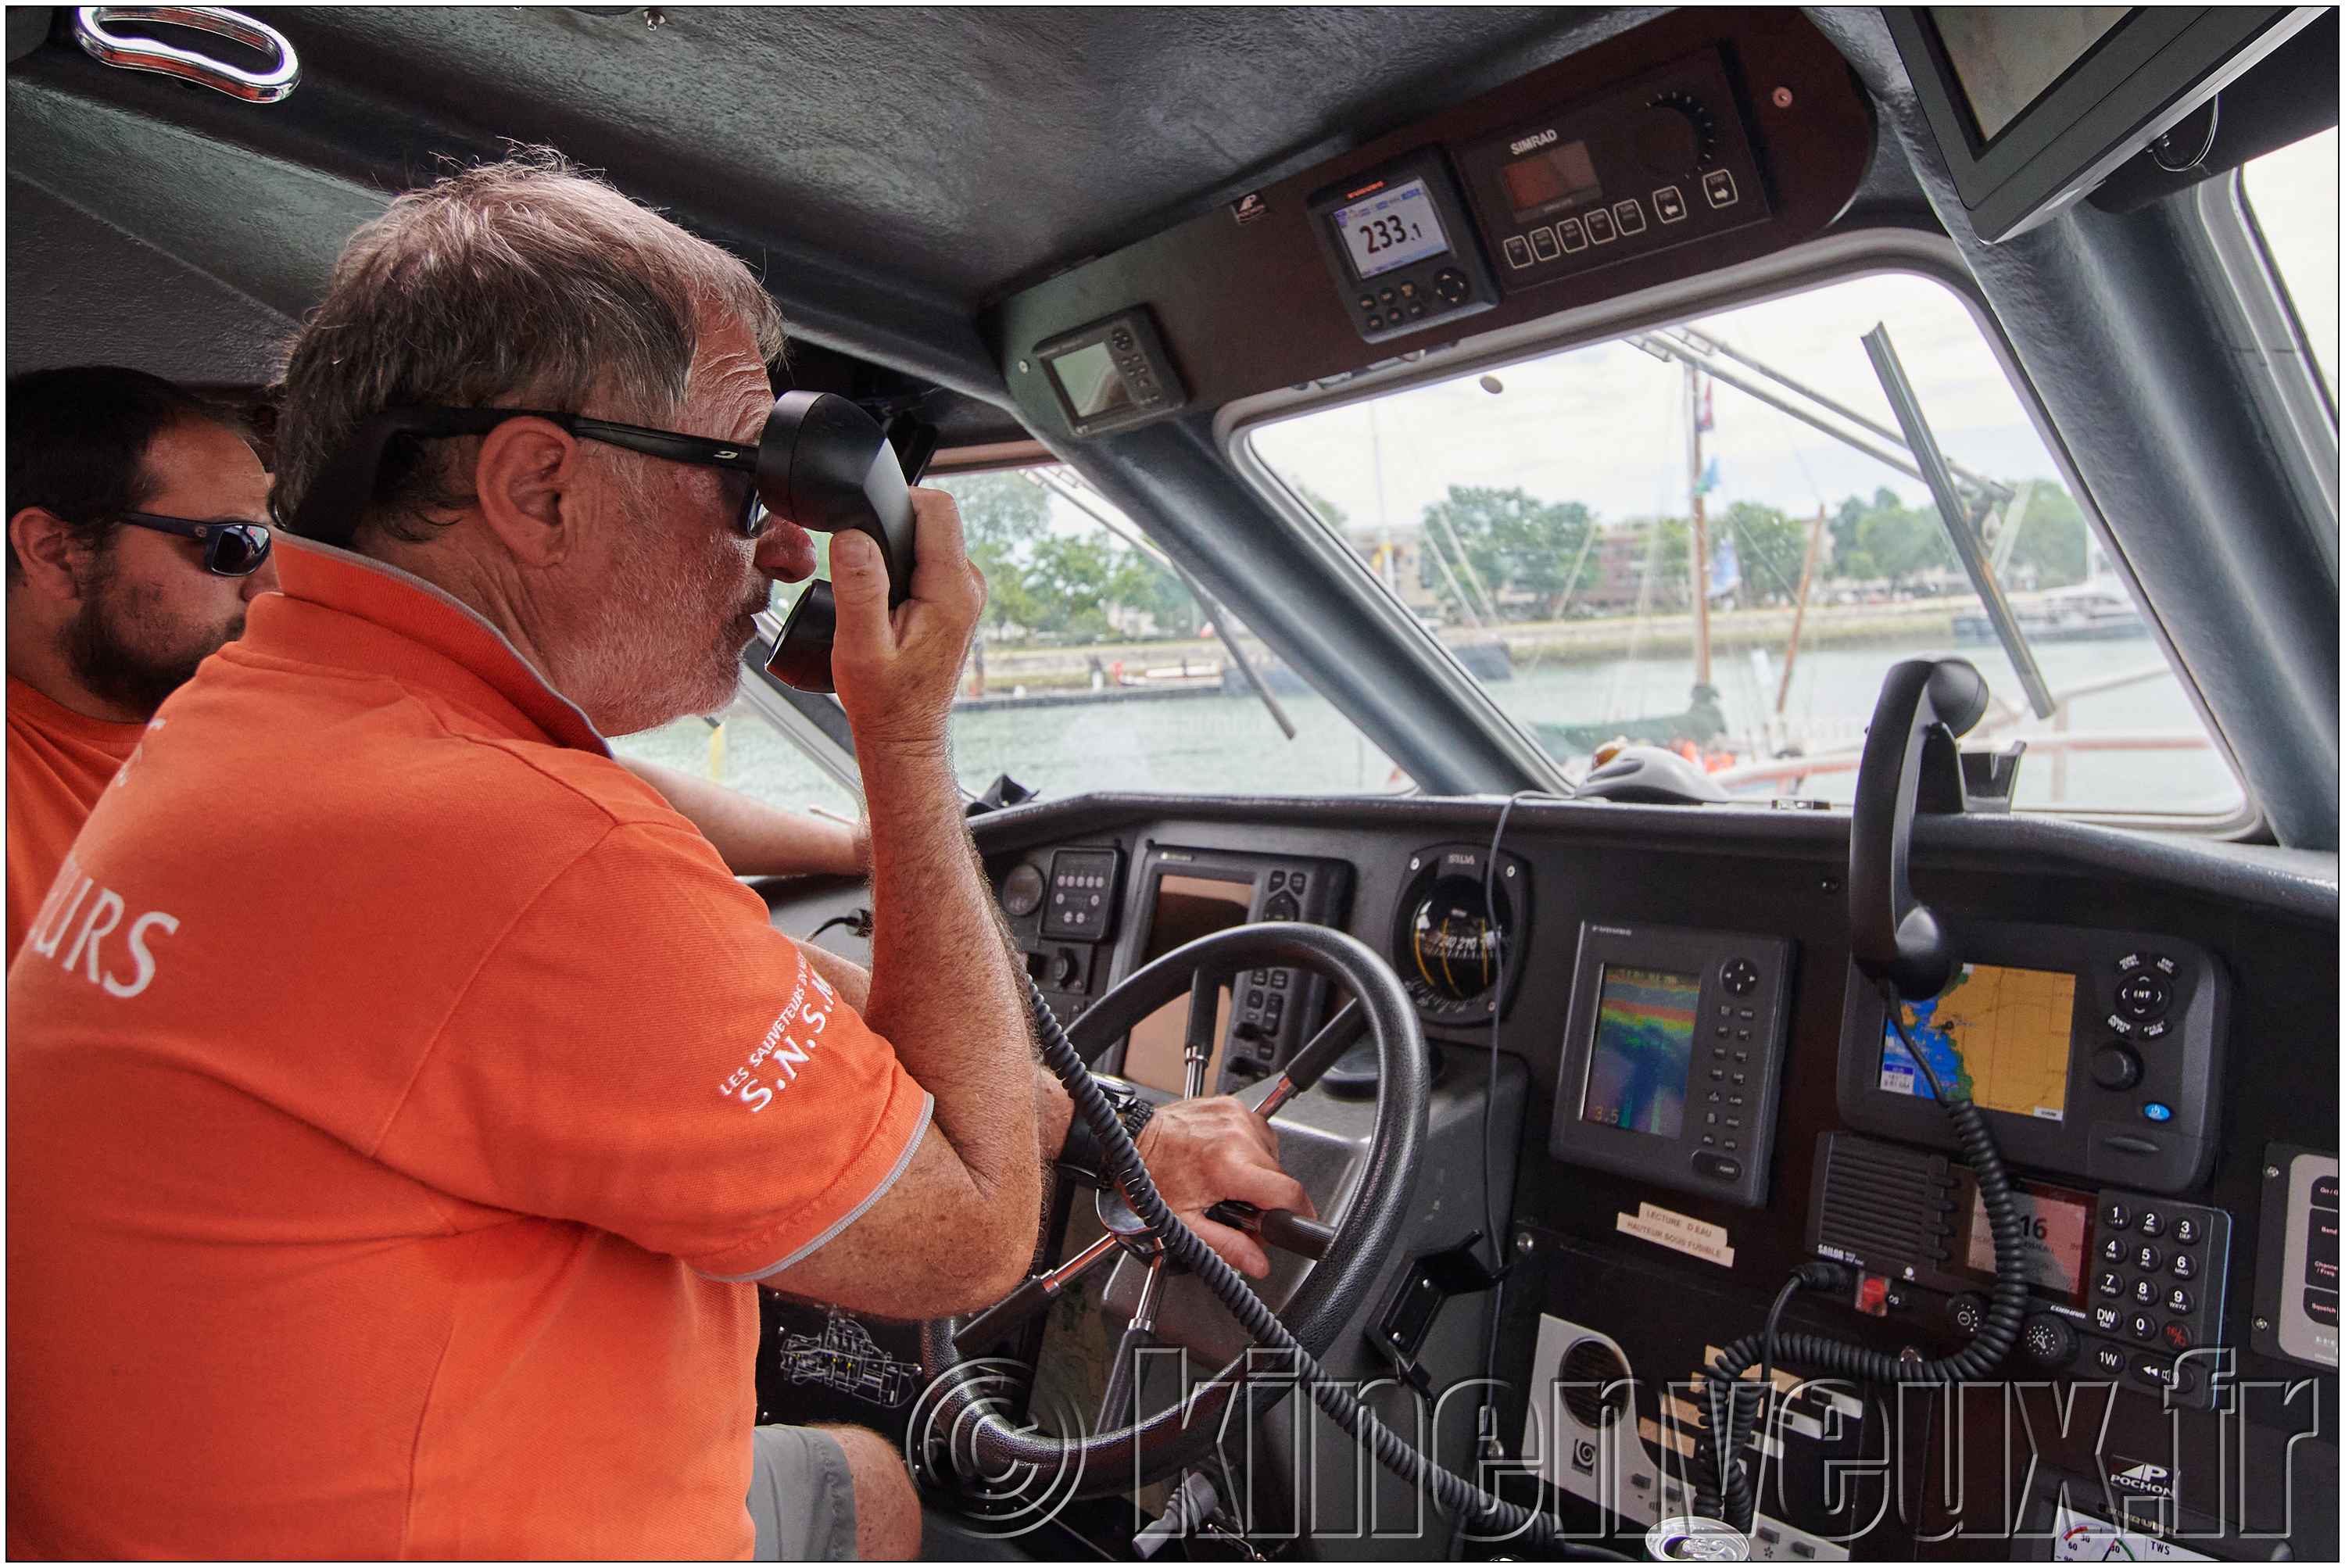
(1700,571)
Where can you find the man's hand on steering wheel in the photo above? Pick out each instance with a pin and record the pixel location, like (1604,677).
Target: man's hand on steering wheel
(1199,1152)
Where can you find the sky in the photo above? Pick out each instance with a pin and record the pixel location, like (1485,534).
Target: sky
(2293,193)
(1606,425)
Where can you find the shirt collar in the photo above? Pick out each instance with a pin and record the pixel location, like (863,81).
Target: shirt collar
(425,614)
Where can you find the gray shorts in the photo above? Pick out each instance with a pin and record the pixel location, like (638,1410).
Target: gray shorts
(801,1496)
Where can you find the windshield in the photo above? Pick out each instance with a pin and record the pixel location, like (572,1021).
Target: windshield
(1713,538)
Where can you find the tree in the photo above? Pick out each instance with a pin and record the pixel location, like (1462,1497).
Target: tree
(1770,546)
(2052,537)
(1512,539)
(1001,517)
(1888,539)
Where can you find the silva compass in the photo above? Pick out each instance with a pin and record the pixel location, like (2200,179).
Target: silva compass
(1456,940)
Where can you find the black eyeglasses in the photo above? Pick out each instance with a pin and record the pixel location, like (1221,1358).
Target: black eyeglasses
(331,511)
(230,549)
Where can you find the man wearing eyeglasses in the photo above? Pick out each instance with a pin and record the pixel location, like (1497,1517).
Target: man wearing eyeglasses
(137,535)
(401,1096)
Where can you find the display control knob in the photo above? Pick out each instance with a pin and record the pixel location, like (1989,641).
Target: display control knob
(2116,1067)
(2048,1342)
(1063,967)
(1676,133)
(1966,1313)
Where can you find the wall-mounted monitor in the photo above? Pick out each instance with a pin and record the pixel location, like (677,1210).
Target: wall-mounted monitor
(2033,106)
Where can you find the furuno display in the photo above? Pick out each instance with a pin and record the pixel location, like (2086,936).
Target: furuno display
(1449,943)
(1656,162)
(2124,1284)
(1189,893)
(1401,244)
(1113,374)
(1671,1057)
(2033,108)
(2094,1054)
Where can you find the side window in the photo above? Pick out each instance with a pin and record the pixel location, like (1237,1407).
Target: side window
(2292,193)
(1096,668)
(1709,536)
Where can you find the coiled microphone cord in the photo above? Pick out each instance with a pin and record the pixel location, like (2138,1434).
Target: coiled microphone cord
(1454,1494)
(1724,1492)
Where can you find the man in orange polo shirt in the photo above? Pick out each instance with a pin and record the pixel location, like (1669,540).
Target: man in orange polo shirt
(402,1095)
(107,616)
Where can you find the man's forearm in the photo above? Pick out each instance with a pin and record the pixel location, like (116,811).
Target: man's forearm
(754,839)
(943,986)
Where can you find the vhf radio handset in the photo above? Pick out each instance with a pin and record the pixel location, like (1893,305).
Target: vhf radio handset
(1909,756)
(831,468)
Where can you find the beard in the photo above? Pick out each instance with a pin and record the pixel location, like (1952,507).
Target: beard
(638,674)
(119,646)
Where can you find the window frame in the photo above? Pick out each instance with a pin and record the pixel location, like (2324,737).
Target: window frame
(1801,269)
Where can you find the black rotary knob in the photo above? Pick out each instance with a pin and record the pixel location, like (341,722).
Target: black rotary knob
(1675,134)
(2116,1067)
(1966,1313)
(2048,1342)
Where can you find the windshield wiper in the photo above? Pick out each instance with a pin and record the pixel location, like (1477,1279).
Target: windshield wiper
(1956,516)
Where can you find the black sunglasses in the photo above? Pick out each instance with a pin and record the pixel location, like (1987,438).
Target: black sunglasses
(340,496)
(230,549)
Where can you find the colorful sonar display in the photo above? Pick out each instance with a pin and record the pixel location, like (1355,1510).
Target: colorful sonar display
(1644,1051)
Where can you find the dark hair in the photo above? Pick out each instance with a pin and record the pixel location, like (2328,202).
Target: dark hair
(78,441)
(528,283)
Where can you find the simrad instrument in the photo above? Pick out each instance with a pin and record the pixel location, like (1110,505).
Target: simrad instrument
(1673,1057)
(1654,163)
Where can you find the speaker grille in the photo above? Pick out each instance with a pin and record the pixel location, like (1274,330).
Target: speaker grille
(1596,1383)
(1884,1206)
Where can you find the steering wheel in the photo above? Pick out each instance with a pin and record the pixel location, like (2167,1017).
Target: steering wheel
(961,1407)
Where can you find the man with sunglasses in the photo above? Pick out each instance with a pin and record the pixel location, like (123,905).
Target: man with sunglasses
(137,535)
(432,1069)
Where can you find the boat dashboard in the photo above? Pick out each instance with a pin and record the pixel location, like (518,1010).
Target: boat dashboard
(1659,1074)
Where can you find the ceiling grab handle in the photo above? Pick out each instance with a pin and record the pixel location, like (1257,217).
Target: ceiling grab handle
(91,30)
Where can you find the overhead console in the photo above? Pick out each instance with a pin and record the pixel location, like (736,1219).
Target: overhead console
(1701,139)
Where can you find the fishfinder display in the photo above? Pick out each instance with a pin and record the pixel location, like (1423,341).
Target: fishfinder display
(1643,1052)
(1390,229)
(1090,379)
(1998,1035)
(1557,175)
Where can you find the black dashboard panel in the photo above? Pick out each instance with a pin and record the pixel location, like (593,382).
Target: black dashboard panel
(1244,297)
(2266,919)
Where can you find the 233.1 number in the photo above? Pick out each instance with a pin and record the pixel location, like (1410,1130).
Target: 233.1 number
(1384,233)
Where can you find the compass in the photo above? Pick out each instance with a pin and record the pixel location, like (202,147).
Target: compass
(1452,943)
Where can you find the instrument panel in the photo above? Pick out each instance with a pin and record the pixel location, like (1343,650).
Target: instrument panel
(1650,911)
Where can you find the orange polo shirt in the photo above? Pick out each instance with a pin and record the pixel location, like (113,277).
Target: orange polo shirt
(387,1142)
(59,762)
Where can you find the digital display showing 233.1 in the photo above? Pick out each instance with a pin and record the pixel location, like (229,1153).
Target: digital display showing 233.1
(1390,229)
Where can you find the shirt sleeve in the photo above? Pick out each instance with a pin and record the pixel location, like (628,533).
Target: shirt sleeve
(642,1052)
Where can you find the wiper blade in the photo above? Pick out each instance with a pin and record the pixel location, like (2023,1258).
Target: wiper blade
(1956,516)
